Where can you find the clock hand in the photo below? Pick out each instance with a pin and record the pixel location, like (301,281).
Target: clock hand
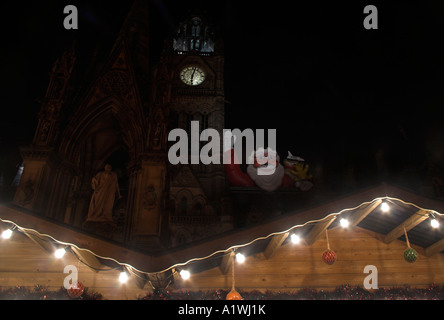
(192,75)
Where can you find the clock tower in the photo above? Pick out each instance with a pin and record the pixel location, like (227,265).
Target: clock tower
(189,82)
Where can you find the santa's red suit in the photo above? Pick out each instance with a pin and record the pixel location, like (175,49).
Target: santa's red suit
(267,173)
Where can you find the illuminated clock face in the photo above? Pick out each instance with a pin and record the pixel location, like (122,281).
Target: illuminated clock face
(192,75)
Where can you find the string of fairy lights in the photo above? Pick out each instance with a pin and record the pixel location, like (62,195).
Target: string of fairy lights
(295,238)
(183,269)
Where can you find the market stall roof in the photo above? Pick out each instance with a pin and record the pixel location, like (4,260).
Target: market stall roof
(409,214)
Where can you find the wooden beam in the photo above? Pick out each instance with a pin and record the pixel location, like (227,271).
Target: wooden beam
(408,224)
(100,246)
(227,262)
(363,212)
(274,244)
(318,229)
(435,248)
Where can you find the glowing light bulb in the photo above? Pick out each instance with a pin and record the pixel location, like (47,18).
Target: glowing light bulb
(385,207)
(59,253)
(434,223)
(240,258)
(185,274)
(295,238)
(344,223)
(123,277)
(7,234)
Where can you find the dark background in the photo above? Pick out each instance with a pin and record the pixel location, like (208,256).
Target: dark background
(339,95)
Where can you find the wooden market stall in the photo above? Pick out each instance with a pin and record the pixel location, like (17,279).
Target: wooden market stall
(374,238)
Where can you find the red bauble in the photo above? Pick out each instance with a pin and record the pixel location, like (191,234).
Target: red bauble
(234,295)
(329,256)
(76,291)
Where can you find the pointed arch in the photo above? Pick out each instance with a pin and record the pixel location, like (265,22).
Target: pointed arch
(183,201)
(108,114)
(199,205)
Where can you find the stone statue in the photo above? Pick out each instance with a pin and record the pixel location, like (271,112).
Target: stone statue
(105,188)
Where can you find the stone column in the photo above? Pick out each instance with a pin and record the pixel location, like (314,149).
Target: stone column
(146,201)
(34,189)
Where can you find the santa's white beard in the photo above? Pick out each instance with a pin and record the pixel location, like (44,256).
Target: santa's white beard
(267,182)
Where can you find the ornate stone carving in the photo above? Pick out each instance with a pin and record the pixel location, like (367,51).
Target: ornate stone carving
(149,197)
(27,193)
(115,82)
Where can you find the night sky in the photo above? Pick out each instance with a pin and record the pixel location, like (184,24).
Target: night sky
(337,94)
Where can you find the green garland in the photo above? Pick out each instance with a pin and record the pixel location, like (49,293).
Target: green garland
(42,293)
(344,292)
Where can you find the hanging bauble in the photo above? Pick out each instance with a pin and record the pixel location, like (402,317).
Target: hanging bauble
(234,295)
(76,291)
(410,255)
(329,256)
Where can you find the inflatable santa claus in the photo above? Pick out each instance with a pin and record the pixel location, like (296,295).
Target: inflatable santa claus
(264,170)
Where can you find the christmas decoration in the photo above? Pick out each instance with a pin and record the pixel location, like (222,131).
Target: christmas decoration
(297,170)
(264,171)
(267,161)
(42,293)
(76,290)
(329,256)
(233,171)
(344,292)
(410,254)
(233,294)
